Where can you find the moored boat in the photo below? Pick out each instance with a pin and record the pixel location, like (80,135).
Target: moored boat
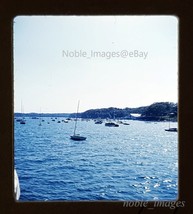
(75,136)
(22,121)
(111,124)
(19,120)
(171,130)
(125,123)
(98,122)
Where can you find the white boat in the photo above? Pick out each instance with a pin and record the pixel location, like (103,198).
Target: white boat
(16,186)
(77,137)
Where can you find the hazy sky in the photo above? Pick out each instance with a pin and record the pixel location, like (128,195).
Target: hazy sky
(103,61)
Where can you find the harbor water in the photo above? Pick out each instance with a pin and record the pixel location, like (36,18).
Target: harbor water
(130,162)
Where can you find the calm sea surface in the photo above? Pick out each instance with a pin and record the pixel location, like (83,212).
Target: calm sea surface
(130,162)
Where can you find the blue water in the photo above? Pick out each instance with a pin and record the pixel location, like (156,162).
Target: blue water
(134,162)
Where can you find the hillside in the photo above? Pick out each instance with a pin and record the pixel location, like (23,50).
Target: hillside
(159,111)
(156,112)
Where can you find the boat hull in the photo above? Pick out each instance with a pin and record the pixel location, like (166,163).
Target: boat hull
(77,138)
(171,130)
(98,122)
(111,125)
(22,122)
(126,124)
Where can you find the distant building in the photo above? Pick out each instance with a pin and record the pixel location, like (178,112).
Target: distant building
(135,115)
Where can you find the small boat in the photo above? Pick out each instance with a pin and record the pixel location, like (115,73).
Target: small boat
(75,136)
(125,123)
(18,120)
(22,121)
(98,122)
(111,124)
(40,119)
(16,186)
(34,118)
(171,130)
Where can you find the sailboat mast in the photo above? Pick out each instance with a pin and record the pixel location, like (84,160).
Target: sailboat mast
(21,108)
(40,117)
(76,117)
(169,119)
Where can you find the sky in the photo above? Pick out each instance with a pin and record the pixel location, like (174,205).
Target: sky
(103,61)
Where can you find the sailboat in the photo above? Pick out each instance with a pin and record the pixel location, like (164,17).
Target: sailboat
(112,124)
(22,121)
(40,118)
(171,129)
(77,137)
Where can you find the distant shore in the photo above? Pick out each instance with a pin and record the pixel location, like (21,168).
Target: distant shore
(160,111)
